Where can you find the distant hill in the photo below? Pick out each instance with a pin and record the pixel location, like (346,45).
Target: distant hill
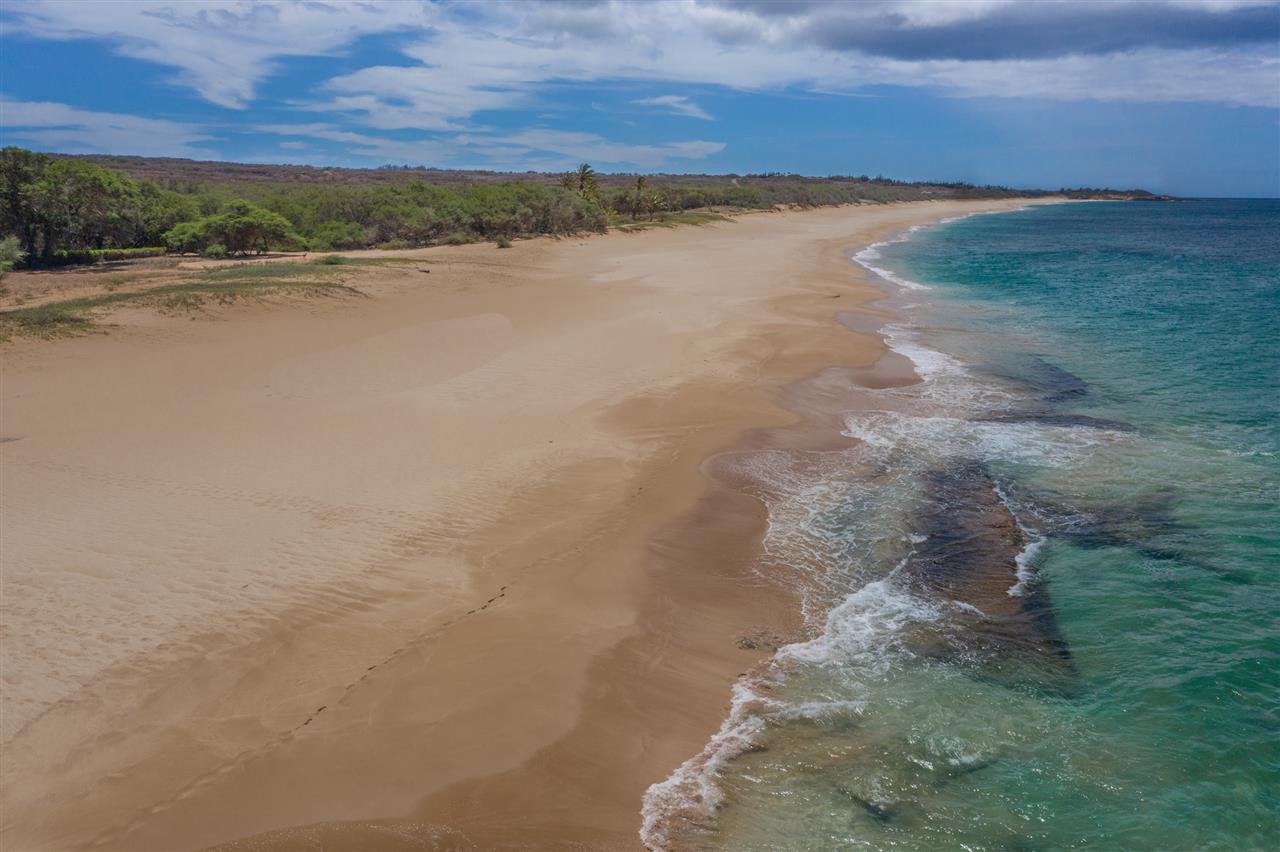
(181,174)
(59,209)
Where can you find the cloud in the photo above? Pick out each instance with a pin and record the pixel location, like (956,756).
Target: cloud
(222,48)
(58,127)
(378,148)
(504,58)
(554,149)
(678,104)
(466,59)
(591,147)
(458,66)
(1044,29)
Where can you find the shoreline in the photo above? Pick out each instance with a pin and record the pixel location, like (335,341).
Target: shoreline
(612,621)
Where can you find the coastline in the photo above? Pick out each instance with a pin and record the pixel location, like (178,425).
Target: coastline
(590,620)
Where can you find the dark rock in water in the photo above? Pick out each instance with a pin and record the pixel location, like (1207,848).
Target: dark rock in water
(1145,525)
(969,557)
(880,812)
(1047,381)
(1046,418)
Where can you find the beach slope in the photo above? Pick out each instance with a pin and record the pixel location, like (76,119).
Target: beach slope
(437,568)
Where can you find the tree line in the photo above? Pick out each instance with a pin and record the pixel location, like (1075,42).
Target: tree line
(61,210)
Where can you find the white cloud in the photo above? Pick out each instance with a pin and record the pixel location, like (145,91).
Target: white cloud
(591,147)
(550,149)
(499,58)
(222,48)
(58,127)
(461,61)
(678,104)
(378,148)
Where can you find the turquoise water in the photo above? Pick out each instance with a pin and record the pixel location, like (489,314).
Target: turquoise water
(1111,371)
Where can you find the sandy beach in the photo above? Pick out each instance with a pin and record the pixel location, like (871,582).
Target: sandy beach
(442,567)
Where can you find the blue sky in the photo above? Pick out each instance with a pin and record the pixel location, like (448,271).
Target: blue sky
(1180,96)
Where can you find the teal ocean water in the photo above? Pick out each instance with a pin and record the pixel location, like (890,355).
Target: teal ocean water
(1043,590)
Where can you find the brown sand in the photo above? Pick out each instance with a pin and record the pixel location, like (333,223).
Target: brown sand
(435,569)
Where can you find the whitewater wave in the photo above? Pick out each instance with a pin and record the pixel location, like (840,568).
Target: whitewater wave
(863,630)
(827,522)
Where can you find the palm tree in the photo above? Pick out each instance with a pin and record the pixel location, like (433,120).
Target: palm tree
(641,180)
(586,179)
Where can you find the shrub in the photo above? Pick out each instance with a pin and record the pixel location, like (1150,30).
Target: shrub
(330,260)
(503,242)
(10,254)
(242,227)
(216,250)
(331,235)
(72,257)
(458,238)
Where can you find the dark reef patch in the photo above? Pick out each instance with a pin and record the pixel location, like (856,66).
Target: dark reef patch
(1039,377)
(969,556)
(1048,418)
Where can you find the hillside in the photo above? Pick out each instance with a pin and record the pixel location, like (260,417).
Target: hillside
(174,172)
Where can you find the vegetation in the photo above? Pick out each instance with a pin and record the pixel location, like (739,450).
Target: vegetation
(65,209)
(69,257)
(75,316)
(241,227)
(51,205)
(10,254)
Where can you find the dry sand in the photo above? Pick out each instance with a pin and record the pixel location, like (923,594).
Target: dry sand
(433,569)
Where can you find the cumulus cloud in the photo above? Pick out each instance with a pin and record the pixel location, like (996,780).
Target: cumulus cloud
(500,58)
(59,127)
(472,58)
(222,48)
(456,62)
(678,104)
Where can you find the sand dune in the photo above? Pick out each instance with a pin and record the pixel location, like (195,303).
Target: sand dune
(429,569)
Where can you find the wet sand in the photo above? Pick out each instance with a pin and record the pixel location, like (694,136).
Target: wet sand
(441,568)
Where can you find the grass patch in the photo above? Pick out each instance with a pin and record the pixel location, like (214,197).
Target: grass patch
(258,271)
(668,220)
(46,321)
(341,260)
(76,316)
(115,282)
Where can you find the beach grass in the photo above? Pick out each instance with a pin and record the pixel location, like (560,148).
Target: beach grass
(77,316)
(343,260)
(263,271)
(669,220)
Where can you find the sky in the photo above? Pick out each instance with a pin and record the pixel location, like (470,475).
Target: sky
(1175,96)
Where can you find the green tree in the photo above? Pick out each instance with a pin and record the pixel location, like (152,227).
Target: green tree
(80,204)
(10,254)
(241,227)
(638,205)
(19,171)
(586,177)
(188,237)
(245,227)
(161,209)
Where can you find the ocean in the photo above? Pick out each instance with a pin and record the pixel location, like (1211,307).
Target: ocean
(1042,588)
